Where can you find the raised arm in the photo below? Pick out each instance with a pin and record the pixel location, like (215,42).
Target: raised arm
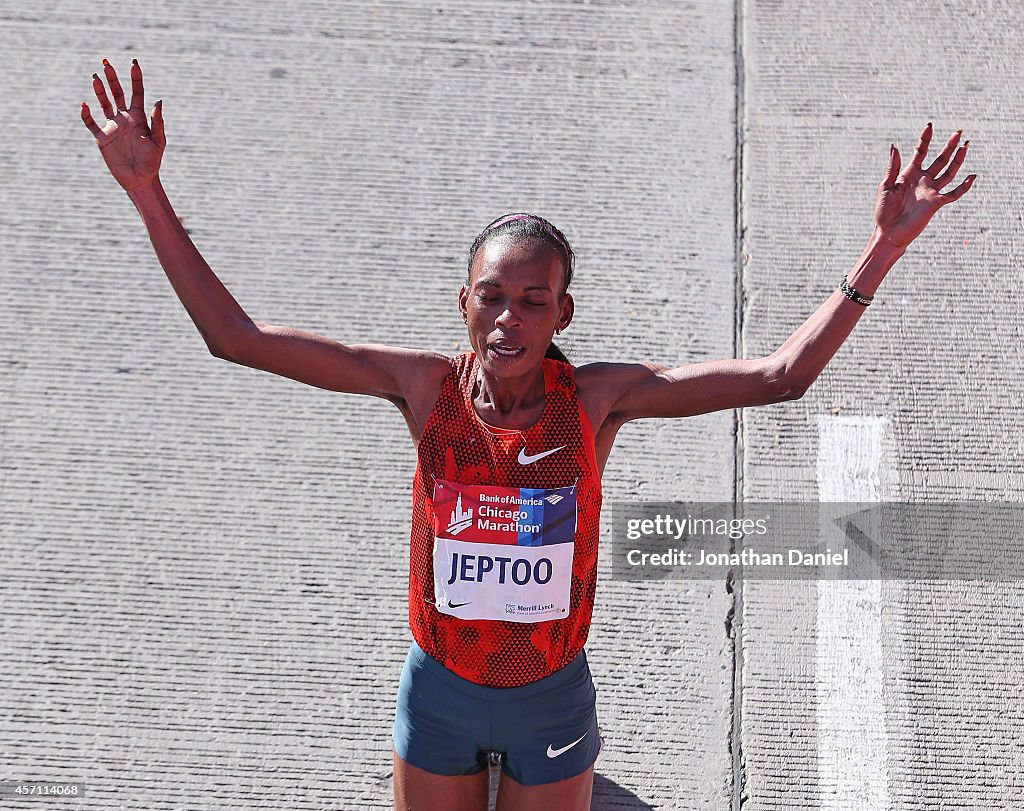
(906,203)
(133,151)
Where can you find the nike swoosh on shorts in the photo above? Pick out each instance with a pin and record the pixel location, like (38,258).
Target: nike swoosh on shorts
(556,752)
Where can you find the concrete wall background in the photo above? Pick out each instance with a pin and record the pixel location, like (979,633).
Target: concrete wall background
(205,566)
(895,694)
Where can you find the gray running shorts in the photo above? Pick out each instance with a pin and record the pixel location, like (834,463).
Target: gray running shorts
(544,731)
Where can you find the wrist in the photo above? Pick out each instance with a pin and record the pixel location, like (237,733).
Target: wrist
(878,257)
(146,191)
(883,242)
(149,198)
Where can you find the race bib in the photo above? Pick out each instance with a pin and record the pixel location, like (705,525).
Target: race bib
(503,553)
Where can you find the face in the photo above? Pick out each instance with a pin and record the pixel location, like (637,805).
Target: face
(514,303)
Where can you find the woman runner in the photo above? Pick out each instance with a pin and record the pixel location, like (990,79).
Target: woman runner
(511,442)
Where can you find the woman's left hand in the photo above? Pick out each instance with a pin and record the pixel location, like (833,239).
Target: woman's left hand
(907,201)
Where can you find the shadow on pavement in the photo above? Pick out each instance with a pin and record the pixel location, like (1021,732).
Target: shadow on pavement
(610,796)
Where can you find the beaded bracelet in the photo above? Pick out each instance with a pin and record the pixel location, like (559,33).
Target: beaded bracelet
(853,295)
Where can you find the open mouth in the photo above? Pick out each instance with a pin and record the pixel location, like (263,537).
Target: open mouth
(506,350)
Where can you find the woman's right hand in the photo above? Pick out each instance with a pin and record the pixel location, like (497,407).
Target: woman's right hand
(131,149)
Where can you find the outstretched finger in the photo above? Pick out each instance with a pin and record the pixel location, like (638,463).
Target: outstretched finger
(90,123)
(940,161)
(922,148)
(115,85)
(138,100)
(893,172)
(158,124)
(101,95)
(958,160)
(959,191)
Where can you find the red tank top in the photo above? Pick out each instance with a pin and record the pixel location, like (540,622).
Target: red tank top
(494,508)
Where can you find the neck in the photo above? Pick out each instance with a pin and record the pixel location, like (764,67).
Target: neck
(507,395)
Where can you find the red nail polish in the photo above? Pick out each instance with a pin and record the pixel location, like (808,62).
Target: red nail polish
(105,62)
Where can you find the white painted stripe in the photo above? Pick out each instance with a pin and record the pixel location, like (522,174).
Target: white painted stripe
(852,751)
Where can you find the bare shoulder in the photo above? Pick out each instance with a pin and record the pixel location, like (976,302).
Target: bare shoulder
(413,369)
(601,385)
(620,392)
(420,371)
(409,378)
(415,378)
(391,372)
(613,394)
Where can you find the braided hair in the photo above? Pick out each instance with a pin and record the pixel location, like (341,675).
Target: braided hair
(526,226)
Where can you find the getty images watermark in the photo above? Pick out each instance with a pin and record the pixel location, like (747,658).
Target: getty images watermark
(960,540)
